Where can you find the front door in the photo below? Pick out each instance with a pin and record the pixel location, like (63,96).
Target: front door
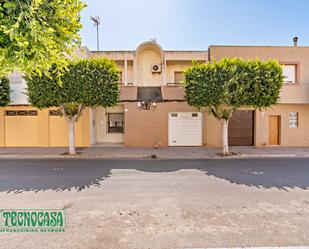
(274,130)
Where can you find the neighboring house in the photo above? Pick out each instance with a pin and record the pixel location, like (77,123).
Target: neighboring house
(152,111)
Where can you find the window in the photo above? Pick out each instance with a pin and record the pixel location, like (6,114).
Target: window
(54,113)
(293,119)
(10,113)
(15,78)
(179,77)
(289,72)
(115,122)
(21,113)
(32,113)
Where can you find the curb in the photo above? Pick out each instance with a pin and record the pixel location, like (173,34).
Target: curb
(239,156)
(271,155)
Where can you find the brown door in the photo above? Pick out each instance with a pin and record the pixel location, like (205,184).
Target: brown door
(241,128)
(274,130)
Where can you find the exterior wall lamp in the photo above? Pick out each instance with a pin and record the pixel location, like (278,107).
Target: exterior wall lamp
(146,105)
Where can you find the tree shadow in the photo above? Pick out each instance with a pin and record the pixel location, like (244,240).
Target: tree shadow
(279,173)
(19,175)
(282,174)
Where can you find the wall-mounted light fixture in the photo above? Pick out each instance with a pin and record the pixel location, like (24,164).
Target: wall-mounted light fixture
(146,105)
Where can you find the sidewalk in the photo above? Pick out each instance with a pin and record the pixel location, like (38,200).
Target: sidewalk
(161,153)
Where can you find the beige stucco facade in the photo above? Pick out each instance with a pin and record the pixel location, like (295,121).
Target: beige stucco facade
(143,127)
(149,128)
(131,124)
(41,129)
(291,93)
(288,136)
(100,121)
(154,123)
(135,66)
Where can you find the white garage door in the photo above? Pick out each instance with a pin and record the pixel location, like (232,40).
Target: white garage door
(185,129)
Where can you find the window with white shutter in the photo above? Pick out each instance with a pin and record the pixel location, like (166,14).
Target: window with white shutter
(289,72)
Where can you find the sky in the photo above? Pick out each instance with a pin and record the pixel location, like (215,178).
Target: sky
(195,24)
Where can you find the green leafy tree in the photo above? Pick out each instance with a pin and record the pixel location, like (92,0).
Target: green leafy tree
(4,91)
(86,83)
(35,34)
(227,85)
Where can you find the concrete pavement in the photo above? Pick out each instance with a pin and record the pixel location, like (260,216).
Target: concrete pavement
(163,153)
(161,204)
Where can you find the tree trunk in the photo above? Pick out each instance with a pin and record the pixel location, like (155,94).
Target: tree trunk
(71,119)
(225,142)
(71,123)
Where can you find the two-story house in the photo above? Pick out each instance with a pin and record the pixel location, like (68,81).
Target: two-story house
(153,112)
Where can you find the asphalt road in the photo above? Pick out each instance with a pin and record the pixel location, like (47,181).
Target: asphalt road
(65,174)
(162,204)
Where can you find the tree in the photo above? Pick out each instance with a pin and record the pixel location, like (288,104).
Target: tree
(227,85)
(86,83)
(35,34)
(4,91)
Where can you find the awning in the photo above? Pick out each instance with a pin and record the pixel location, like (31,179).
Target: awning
(156,94)
(149,94)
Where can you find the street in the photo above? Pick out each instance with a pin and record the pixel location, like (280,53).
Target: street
(161,204)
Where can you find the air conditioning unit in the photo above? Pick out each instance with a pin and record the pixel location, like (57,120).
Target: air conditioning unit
(156,68)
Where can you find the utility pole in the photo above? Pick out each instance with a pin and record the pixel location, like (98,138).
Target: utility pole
(96,22)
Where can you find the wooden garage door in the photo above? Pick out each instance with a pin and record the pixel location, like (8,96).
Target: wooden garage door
(241,128)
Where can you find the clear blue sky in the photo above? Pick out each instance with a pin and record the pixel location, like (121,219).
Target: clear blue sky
(195,24)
